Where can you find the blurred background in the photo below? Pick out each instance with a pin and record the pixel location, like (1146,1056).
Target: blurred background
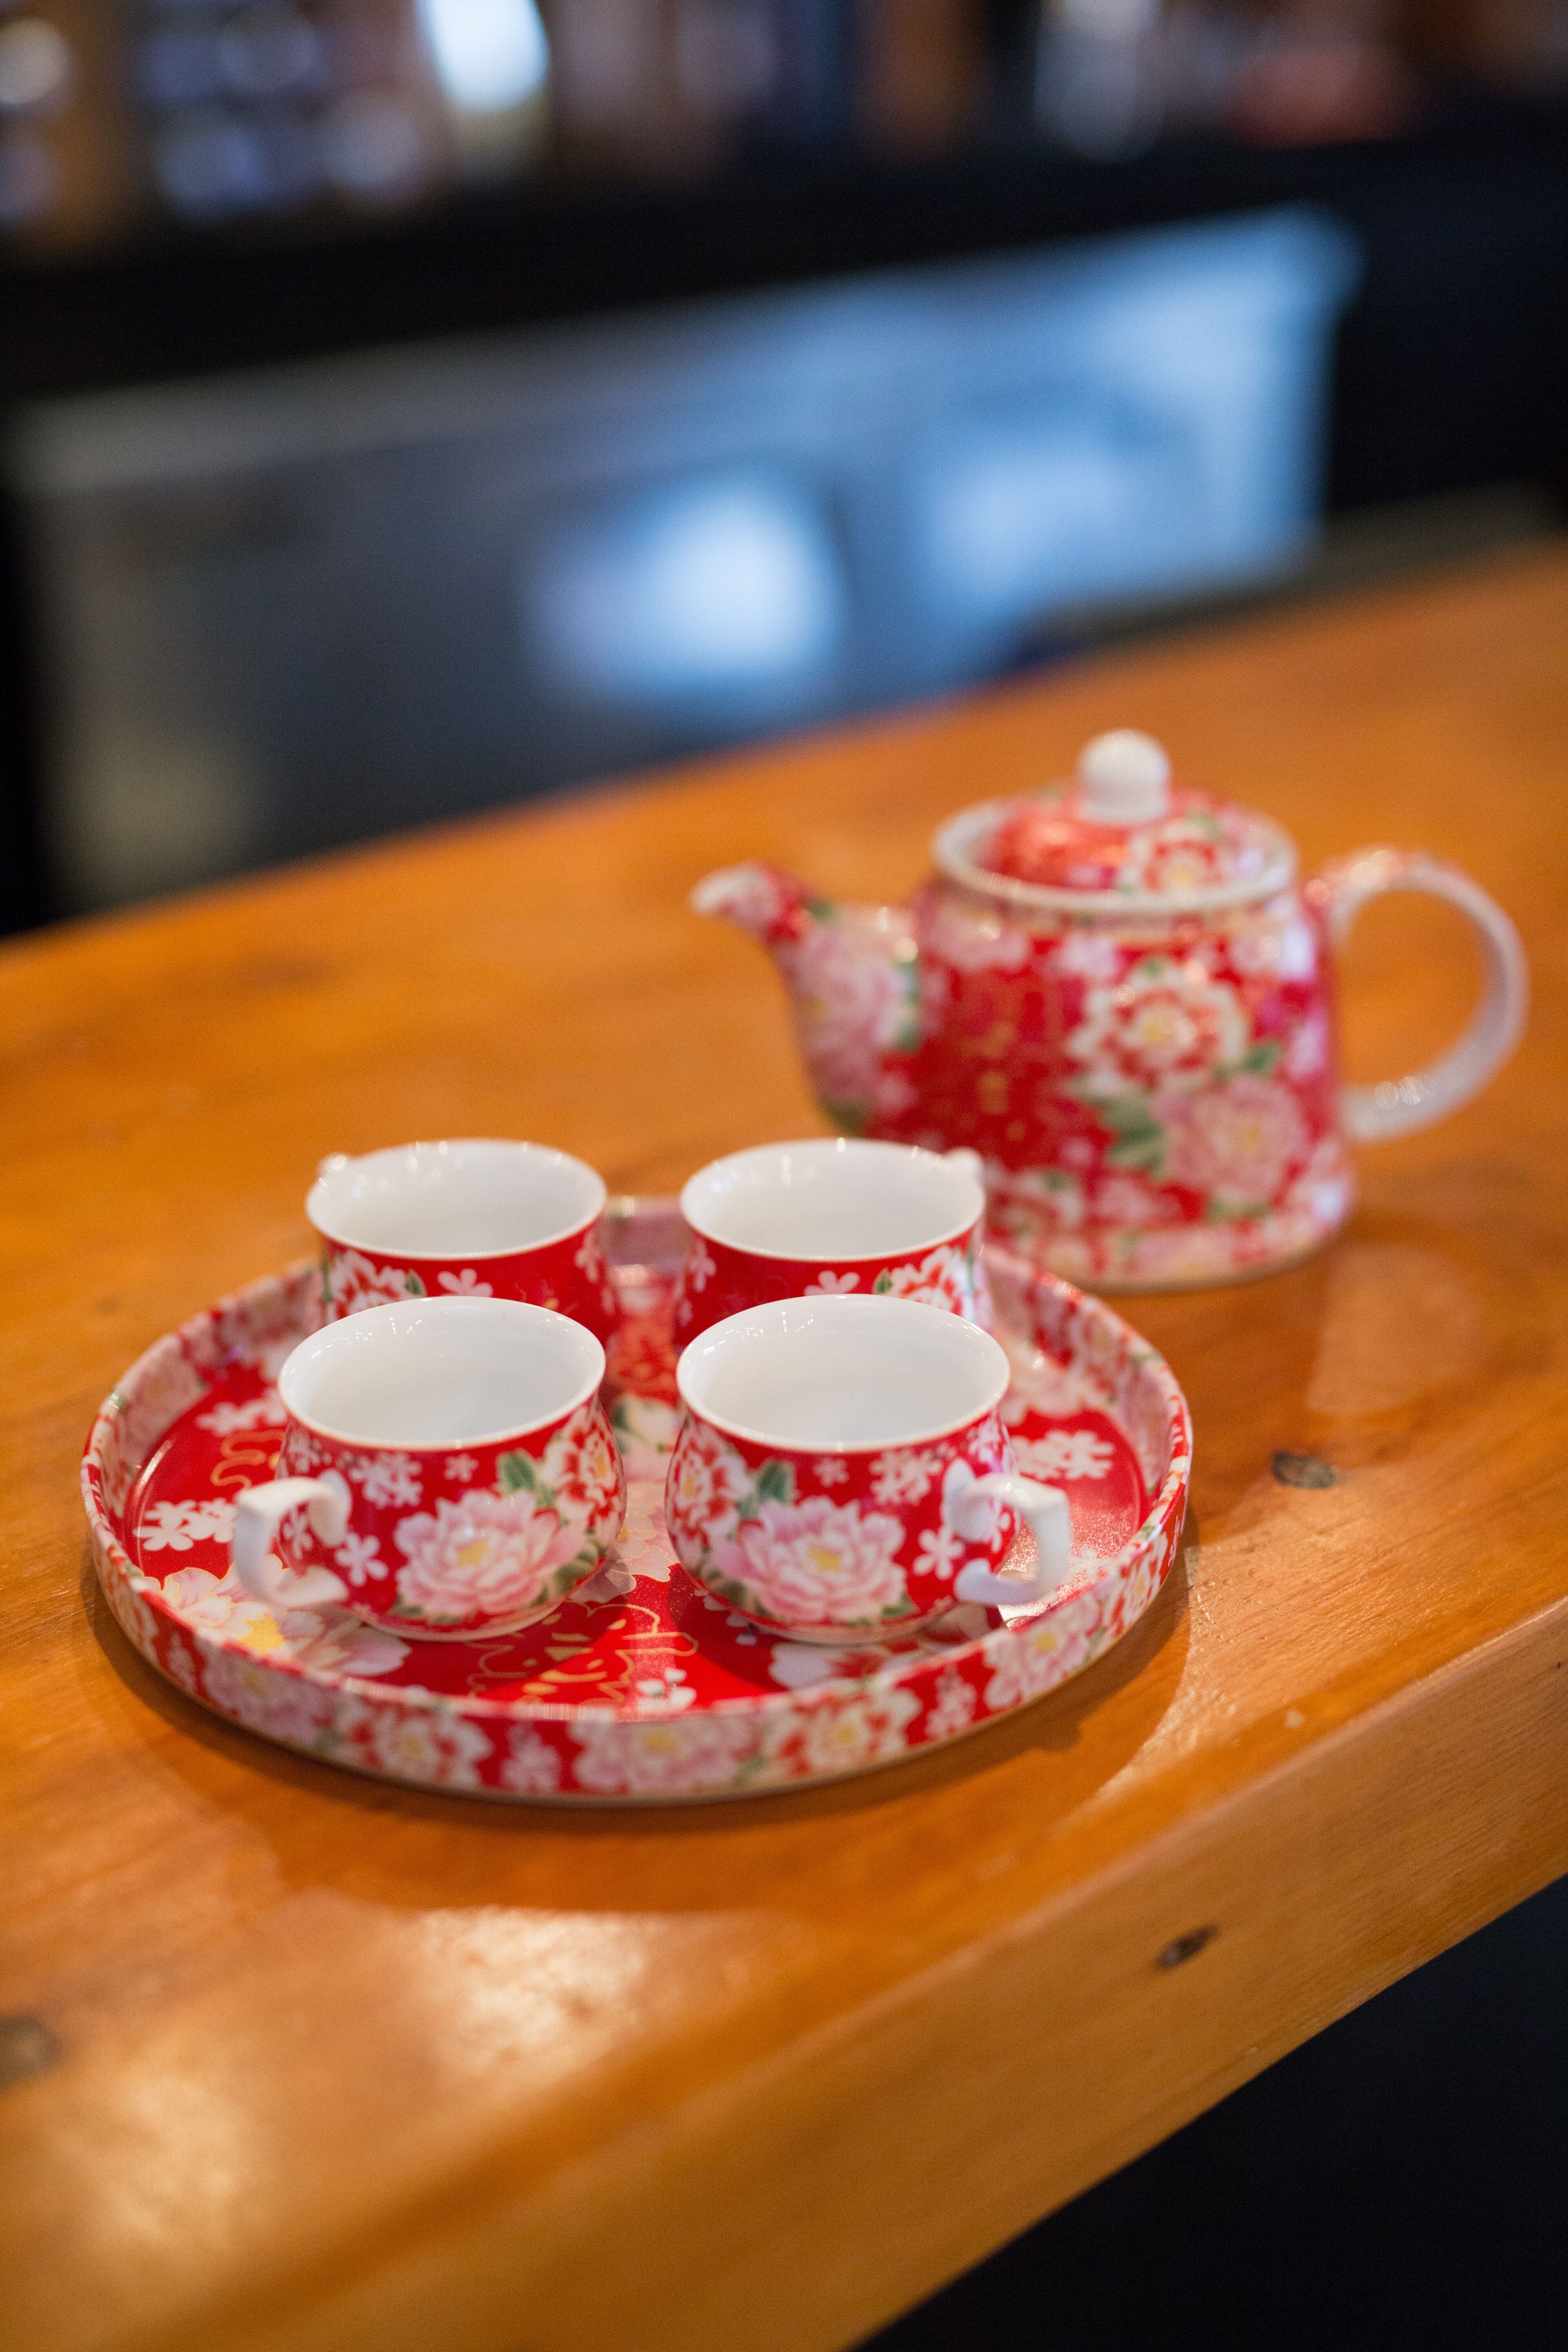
(407,406)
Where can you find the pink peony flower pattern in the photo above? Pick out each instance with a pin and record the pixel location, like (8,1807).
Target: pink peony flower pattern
(819,1563)
(631,1759)
(492,1557)
(1234,1142)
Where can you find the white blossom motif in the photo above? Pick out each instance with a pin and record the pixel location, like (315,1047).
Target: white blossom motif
(1165,1024)
(359,1556)
(831,1470)
(483,1558)
(904,1474)
(391,1480)
(939,1280)
(1088,955)
(263,1412)
(657,1760)
(669,1689)
(176,1527)
(832,1285)
(1308,1053)
(940,1552)
(817,1563)
(1064,1453)
(701,1264)
(357,1281)
(952,1708)
(466,1284)
(532,1768)
(181,1666)
(459,1469)
(972,935)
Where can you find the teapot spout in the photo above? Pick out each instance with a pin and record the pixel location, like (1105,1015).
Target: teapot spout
(853,977)
(762,899)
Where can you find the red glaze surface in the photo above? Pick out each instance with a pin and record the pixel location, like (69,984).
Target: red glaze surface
(718,1280)
(569,1274)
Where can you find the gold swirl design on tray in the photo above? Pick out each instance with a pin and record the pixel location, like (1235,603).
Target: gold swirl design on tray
(246,1457)
(589,1662)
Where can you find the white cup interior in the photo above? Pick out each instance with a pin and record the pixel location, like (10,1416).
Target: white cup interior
(441,1371)
(832,1197)
(842,1373)
(468,1199)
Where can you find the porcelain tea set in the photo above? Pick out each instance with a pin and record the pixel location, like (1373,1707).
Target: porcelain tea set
(446,1468)
(1117,993)
(1105,1024)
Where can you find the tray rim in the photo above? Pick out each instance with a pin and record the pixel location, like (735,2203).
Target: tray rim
(128,1589)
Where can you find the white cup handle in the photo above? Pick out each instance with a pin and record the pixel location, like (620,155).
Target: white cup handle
(1400,1106)
(260,1511)
(1045,1508)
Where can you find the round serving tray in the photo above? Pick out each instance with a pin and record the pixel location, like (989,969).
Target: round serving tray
(641,1688)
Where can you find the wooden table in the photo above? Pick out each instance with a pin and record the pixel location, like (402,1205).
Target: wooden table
(341,2066)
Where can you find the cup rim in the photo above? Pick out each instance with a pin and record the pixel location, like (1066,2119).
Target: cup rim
(512,1308)
(833,1306)
(336,1161)
(837,1144)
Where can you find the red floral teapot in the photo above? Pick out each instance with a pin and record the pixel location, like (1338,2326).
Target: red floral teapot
(1118,994)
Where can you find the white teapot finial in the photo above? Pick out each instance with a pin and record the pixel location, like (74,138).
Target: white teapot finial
(1124,778)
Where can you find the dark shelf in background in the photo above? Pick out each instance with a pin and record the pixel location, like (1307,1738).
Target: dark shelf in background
(1451,371)
(553,249)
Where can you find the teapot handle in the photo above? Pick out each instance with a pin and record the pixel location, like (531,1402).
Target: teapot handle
(1400,1106)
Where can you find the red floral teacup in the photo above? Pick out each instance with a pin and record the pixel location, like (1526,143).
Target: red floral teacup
(447,1469)
(471,1219)
(883,1220)
(843,1473)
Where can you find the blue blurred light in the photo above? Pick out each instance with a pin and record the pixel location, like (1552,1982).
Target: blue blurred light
(716,586)
(490,53)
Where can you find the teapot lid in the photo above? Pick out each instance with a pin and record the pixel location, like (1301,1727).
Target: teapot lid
(1121,838)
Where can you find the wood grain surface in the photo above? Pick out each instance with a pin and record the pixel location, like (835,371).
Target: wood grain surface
(339,2066)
